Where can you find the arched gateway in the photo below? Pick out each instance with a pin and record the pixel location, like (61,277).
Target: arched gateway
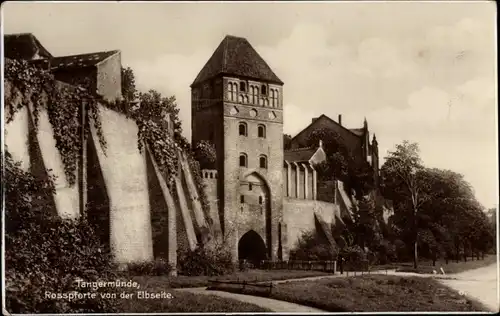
(251,247)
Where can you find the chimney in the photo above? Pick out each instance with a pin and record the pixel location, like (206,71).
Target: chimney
(340,119)
(313,119)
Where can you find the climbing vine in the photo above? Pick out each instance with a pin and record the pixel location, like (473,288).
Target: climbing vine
(38,87)
(162,146)
(150,116)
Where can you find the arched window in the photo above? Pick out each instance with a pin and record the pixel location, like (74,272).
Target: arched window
(260,199)
(263,90)
(206,175)
(211,175)
(235,92)
(263,162)
(242,199)
(242,128)
(229,91)
(250,187)
(243,160)
(243,86)
(274,98)
(261,131)
(255,92)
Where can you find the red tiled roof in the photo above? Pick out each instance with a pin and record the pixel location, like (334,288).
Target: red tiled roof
(81,60)
(300,154)
(235,56)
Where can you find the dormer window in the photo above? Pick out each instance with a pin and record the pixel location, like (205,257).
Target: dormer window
(243,86)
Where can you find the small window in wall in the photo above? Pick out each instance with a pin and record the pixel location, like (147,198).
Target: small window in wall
(260,199)
(243,86)
(242,199)
(263,162)
(242,129)
(250,187)
(261,131)
(263,90)
(243,160)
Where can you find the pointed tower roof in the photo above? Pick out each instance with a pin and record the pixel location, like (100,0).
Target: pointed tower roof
(235,56)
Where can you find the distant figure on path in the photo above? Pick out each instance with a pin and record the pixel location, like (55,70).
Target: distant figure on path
(341,264)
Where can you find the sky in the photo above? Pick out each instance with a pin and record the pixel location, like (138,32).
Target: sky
(418,71)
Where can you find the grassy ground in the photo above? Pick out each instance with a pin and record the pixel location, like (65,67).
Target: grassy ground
(182,302)
(200,281)
(373,293)
(426,266)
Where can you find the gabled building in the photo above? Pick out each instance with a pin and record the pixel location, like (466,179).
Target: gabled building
(357,140)
(99,72)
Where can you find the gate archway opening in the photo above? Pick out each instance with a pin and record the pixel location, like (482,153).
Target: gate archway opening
(251,248)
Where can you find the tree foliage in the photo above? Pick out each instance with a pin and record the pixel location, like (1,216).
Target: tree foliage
(287,141)
(44,252)
(129,90)
(204,152)
(28,84)
(341,163)
(435,208)
(311,246)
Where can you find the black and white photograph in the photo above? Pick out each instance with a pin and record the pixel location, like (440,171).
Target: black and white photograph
(259,157)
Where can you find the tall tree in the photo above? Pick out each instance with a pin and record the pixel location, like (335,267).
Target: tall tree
(129,89)
(404,181)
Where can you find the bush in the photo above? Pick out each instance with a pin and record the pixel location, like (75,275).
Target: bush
(204,261)
(157,267)
(44,253)
(353,254)
(386,252)
(205,154)
(312,247)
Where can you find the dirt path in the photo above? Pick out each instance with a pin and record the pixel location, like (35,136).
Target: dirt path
(480,284)
(272,304)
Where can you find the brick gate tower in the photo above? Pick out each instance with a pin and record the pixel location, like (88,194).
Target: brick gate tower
(237,103)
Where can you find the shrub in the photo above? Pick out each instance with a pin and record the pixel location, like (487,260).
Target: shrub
(46,253)
(206,261)
(205,153)
(311,246)
(245,265)
(157,267)
(353,254)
